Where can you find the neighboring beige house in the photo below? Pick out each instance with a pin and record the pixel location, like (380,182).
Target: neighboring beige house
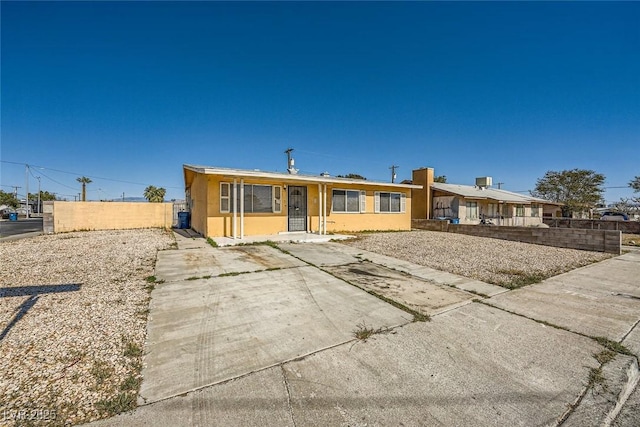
(468,204)
(275,202)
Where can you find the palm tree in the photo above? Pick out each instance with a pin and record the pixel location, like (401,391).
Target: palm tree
(154,194)
(84,181)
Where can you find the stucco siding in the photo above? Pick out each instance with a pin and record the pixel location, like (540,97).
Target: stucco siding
(77,216)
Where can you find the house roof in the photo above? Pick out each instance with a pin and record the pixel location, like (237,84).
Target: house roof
(284,176)
(473,192)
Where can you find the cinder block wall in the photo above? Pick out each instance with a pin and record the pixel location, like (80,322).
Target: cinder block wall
(631,227)
(609,241)
(60,217)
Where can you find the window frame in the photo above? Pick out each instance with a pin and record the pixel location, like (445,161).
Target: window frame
(468,208)
(276,198)
(361,201)
(378,204)
(535,210)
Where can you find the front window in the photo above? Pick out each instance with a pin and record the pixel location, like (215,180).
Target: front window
(390,202)
(519,210)
(345,201)
(535,210)
(472,210)
(492,210)
(257,198)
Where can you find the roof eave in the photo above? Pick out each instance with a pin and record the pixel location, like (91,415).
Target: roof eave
(242,173)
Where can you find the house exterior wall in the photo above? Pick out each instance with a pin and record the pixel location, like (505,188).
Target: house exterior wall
(197,200)
(61,217)
(421,198)
(211,222)
(446,205)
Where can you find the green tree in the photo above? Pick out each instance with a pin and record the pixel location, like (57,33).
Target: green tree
(577,189)
(635,184)
(84,181)
(8,199)
(154,194)
(44,196)
(441,178)
(352,176)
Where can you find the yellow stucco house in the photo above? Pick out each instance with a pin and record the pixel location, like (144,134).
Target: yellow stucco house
(236,203)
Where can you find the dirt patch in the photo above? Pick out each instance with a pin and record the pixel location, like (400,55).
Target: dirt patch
(73,314)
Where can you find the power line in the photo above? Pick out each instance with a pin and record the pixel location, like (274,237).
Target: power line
(88,176)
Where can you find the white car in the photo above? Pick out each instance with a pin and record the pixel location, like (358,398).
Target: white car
(614,216)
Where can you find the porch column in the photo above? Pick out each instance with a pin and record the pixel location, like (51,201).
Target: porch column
(319,208)
(242,209)
(324,215)
(235,208)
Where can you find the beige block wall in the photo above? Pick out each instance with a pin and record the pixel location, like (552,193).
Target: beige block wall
(75,216)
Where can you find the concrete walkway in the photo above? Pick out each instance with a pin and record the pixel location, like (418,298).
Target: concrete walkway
(499,361)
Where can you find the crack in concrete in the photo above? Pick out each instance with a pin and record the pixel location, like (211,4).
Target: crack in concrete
(624,337)
(633,378)
(286,387)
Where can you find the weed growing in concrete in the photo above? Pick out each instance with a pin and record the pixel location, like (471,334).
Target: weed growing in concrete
(363,332)
(417,316)
(151,279)
(193,278)
(232,273)
(613,345)
(596,378)
(212,242)
(605,356)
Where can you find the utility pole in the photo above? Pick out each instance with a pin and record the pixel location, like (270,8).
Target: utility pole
(499,184)
(26,178)
(393,173)
(15,190)
(123,196)
(39,195)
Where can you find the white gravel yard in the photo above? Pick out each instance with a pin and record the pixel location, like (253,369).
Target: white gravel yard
(501,262)
(73,314)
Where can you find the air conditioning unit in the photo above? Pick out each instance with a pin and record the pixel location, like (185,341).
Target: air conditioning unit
(484,182)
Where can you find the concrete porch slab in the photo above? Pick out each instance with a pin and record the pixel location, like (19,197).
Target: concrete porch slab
(202,332)
(298,237)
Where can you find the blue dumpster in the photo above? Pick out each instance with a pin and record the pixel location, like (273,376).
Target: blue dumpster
(13,216)
(183,219)
(455,220)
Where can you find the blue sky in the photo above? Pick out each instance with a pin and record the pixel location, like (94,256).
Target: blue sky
(126,92)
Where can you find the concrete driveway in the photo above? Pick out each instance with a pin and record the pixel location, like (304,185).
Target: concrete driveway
(277,346)
(226,312)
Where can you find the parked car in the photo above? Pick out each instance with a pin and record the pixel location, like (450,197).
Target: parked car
(614,216)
